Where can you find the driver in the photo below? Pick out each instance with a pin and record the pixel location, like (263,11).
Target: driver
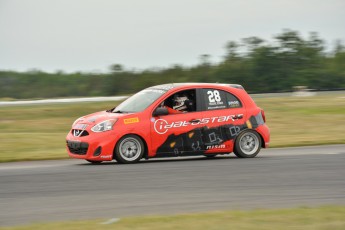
(180,104)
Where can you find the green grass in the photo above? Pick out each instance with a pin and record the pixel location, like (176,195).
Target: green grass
(326,217)
(298,121)
(38,132)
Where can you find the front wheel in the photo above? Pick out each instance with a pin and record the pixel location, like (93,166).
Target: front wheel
(247,144)
(129,149)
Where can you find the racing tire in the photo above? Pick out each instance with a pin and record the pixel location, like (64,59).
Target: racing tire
(94,162)
(129,149)
(247,144)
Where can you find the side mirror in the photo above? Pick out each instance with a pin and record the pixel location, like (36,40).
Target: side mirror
(160,111)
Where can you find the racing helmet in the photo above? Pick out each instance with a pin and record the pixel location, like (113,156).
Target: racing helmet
(180,103)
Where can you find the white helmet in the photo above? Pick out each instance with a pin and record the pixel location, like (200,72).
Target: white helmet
(180,103)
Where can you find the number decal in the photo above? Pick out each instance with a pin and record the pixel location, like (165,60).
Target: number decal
(214,96)
(210,96)
(217,96)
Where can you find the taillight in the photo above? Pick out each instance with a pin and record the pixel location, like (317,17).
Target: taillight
(263,115)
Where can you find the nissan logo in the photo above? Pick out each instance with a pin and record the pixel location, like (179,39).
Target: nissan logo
(76,132)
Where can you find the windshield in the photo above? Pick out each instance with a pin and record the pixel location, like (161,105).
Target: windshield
(139,101)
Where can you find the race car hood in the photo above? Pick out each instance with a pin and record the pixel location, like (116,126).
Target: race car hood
(98,117)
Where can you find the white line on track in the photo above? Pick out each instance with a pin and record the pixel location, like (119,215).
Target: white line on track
(64,100)
(7,167)
(111,221)
(37,164)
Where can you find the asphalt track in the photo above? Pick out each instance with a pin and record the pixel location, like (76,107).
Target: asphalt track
(72,189)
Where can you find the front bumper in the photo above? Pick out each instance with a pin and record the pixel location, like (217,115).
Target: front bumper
(94,147)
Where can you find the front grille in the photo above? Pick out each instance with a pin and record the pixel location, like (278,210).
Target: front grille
(79,133)
(77,147)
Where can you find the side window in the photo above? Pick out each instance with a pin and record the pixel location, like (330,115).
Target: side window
(181,102)
(233,102)
(218,99)
(214,99)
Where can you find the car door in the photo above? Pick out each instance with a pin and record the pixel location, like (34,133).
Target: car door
(224,115)
(178,133)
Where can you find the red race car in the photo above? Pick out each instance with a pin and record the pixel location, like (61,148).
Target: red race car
(184,119)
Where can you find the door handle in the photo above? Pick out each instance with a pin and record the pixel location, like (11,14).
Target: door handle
(194,121)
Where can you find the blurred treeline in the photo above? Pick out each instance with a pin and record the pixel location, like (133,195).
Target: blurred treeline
(258,65)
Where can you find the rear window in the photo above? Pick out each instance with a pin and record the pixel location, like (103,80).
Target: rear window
(233,101)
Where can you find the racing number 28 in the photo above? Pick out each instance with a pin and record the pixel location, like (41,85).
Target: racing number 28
(213,96)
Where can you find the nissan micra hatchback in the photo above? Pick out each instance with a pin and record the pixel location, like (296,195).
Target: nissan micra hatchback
(185,119)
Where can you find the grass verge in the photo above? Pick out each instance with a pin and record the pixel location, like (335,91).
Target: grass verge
(38,132)
(300,121)
(326,217)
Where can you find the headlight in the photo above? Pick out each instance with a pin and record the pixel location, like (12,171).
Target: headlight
(104,126)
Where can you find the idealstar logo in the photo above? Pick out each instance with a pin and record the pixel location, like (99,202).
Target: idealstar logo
(161,126)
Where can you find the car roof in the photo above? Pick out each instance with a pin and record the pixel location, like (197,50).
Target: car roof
(192,84)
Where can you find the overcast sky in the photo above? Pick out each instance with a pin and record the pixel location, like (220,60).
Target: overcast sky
(85,35)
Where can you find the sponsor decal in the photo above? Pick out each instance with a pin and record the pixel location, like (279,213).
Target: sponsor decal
(234,104)
(131,120)
(215,147)
(216,107)
(104,157)
(161,126)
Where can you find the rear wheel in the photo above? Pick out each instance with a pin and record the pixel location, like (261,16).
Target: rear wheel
(129,149)
(247,144)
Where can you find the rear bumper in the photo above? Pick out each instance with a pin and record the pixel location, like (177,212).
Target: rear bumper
(264,131)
